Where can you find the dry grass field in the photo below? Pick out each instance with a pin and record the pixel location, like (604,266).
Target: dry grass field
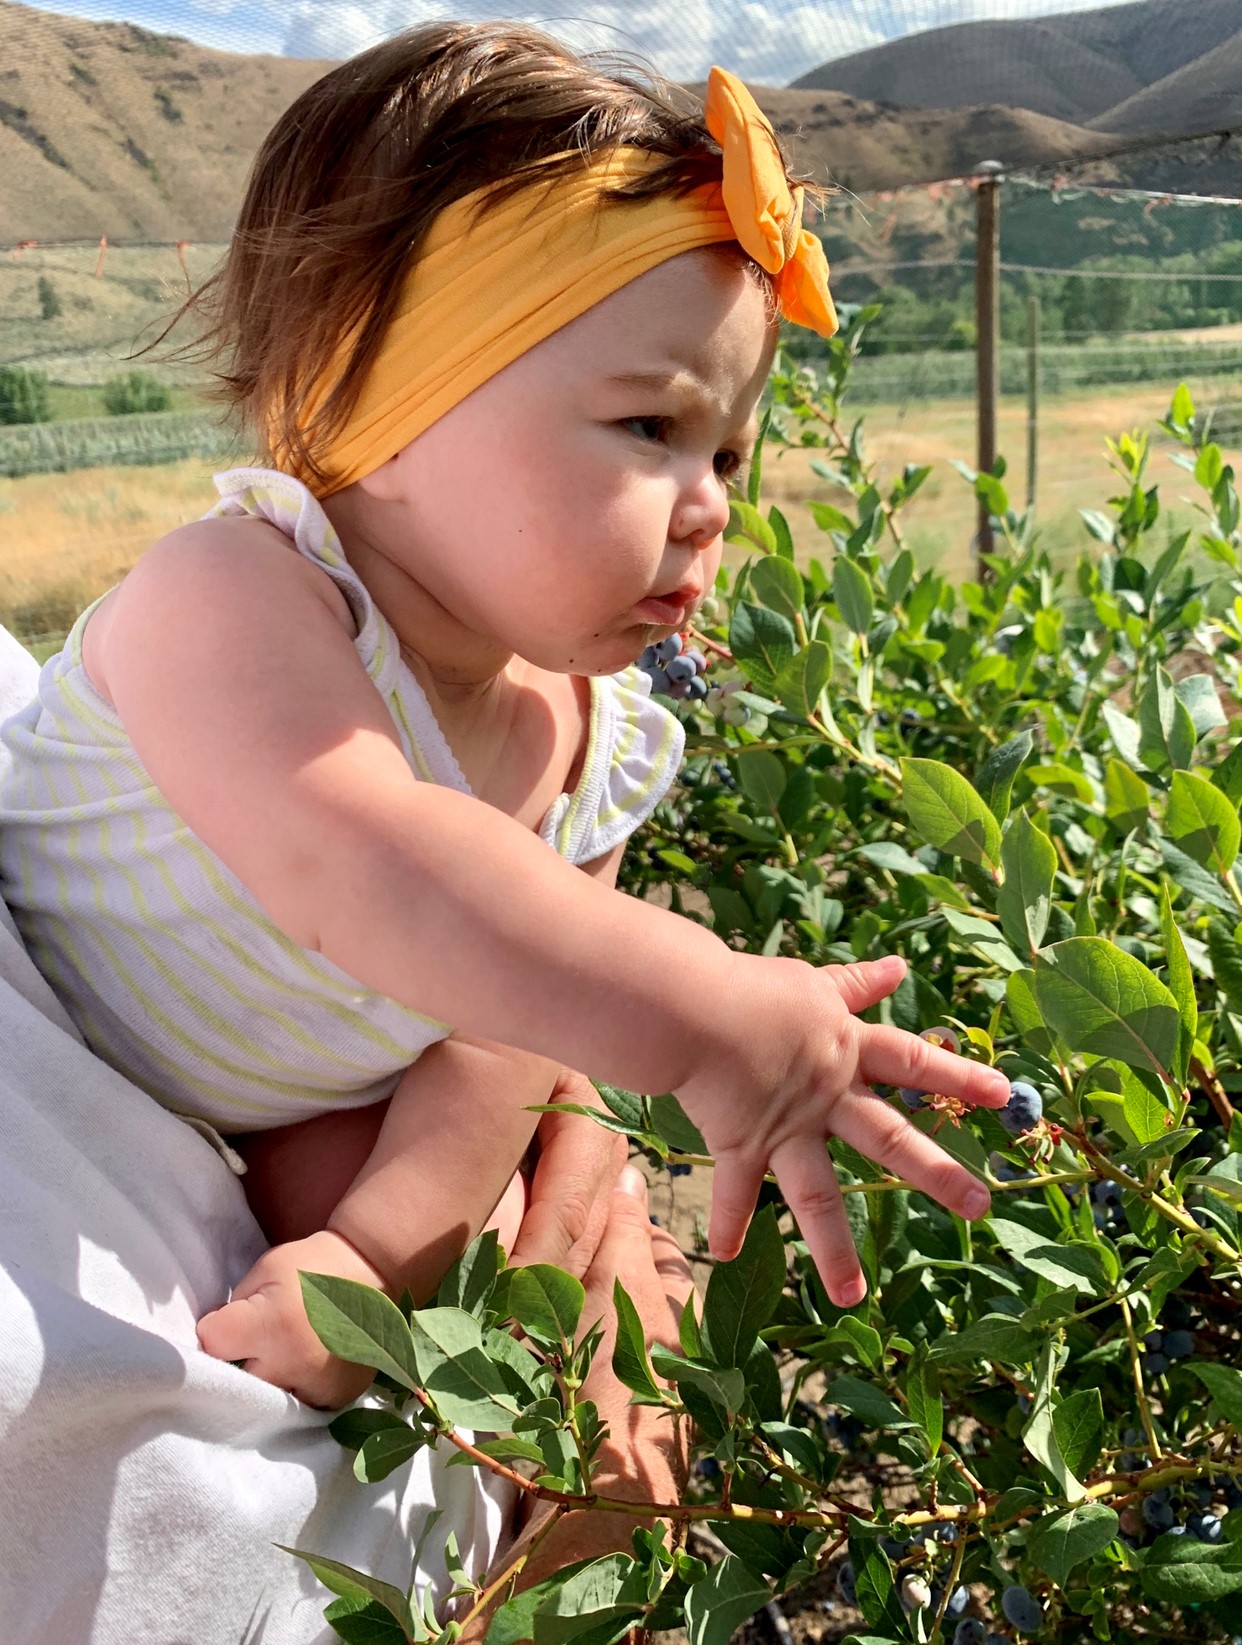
(66,537)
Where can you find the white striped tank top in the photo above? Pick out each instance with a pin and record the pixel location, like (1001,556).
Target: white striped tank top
(167,963)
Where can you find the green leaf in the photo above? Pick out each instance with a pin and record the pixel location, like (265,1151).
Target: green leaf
(514,1622)
(778,585)
(1059,1543)
(470,1278)
(762,776)
(360,1324)
(742,1295)
(351,1584)
(851,589)
(1202,822)
(888,854)
(630,1362)
(672,1122)
(867,1402)
(873,1583)
(986,939)
(1073,1265)
(1078,1423)
(596,1605)
(995,779)
(545,1301)
(1101,1000)
(1228,775)
(1166,730)
(718,1604)
(1027,1016)
(1181,985)
(923,1399)
(725,1387)
(801,681)
(1039,1435)
(1183,1571)
(456,1371)
(995,1336)
(1125,797)
(1029,861)
(747,525)
(384,1451)
(945,810)
(1202,701)
(761,641)
(364,1622)
(1225,1386)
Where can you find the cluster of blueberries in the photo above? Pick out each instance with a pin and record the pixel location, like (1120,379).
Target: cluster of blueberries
(1189,1513)
(1022,1610)
(674,671)
(1021,1113)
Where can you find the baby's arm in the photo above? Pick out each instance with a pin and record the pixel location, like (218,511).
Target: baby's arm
(230,661)
(446,1153)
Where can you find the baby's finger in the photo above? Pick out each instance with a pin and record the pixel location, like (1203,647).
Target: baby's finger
(884,1135)
(890,1056)
(236,1331)
(866,982)
(804,1171)
(735,1189)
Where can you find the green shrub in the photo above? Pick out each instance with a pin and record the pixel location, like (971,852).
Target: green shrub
(135,391)
(23,395)
(1028,785)
(49,302)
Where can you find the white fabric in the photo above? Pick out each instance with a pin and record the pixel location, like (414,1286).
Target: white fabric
(143,1484)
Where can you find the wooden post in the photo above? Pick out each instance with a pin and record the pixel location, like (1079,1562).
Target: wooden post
(1032,399)
(987,346)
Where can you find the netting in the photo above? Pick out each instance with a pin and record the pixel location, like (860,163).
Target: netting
(1124,290)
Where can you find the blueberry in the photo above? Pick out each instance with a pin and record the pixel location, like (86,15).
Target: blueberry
(970,1631)
(915,1594)
(666,650)
(947,1534)
(647,657)
(698,659)
(1206,1527)
(679,690)
(1178,1344)
(1177,1530)
(1156,1514)
(659,680)
(1023,1111)
(698,690)
(679,1170)
(1022,1610)
(996,1639)
(680,668)
(845,1583)
(735,714)
(912,1099)
(892,1547)
(1106,1193)
(1233,1494)
(1154,1341)
(1155,1365)
(959,1599)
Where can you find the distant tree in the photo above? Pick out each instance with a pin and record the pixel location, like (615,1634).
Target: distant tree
(135,391)
(23,396)
(49,302)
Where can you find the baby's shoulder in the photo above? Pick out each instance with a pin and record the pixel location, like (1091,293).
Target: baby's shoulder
(205,569)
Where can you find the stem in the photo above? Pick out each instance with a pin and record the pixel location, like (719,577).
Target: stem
(959,1549)
(514,1568)
(1137,1373)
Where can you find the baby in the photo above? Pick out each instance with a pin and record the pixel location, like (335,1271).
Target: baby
(314,824)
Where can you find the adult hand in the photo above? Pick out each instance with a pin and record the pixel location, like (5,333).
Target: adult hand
(571,1190)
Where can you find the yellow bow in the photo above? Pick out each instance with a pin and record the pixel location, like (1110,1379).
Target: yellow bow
(766,214)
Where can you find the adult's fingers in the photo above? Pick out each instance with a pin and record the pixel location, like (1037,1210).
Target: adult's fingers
(893,1057)
(735,1188)
(804,1171)
(866,982)
(570,1193)
(882,1134)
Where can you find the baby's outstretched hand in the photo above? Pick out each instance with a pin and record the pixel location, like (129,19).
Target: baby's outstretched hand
(799,1069)
(264,1324)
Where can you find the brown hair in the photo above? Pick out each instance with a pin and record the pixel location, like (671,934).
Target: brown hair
(347,183)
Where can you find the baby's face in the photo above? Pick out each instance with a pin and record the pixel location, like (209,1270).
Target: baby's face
(571,517)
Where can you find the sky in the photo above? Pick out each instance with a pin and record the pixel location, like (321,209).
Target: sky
(766,42)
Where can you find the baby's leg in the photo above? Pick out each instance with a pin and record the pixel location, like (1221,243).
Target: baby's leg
(296,1175)
(442,1160)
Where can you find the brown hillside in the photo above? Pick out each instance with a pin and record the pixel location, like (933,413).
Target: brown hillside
(1205,95)
(108,129)
(1073,66)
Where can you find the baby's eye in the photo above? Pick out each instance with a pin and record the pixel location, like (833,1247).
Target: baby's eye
(729,464)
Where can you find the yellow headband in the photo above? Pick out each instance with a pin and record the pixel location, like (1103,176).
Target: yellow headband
(479,297)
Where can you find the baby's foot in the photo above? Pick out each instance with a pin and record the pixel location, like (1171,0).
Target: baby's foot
(264,1324)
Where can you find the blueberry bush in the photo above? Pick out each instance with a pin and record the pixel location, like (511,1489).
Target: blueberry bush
(1028,785)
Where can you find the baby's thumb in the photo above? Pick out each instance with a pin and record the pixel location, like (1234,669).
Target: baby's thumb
(867,982)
